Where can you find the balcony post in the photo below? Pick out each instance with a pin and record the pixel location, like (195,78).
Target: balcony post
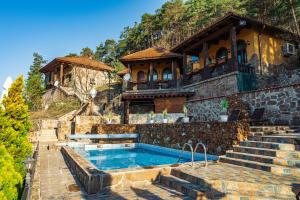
(184,61)
(61,75)
(151,75)
(233,49)
(174,72)
(206,54)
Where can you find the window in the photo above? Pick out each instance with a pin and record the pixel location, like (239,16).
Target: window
(242,52)
(167,74)
(155,75)
(141,76)
(222,53)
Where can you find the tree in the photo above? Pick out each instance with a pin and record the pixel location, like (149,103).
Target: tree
(87,52)
(10,179)
(72,55)
(35,84)
(15,125)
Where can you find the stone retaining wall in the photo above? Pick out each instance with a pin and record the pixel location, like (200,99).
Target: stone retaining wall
(158,118)
(218,137)
(282,104)
(214,87)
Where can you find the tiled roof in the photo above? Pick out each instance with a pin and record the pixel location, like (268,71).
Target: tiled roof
(123,72)
(87,62)
(150,54)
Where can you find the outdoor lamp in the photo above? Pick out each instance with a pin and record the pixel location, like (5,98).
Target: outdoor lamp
(93,93)
(28,163)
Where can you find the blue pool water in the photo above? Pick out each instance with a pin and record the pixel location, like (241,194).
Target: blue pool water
(109,159)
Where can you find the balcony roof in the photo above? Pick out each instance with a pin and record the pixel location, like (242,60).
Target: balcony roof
(235,20)
(152,94)
(83,61)
(153,53)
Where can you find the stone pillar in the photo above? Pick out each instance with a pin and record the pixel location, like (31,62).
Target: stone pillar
(151,75)
(174,72)
(233,49)
(61,78)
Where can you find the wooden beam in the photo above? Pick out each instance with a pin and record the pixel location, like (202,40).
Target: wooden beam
(151,75)
(61,74)
(210,37)
(174,72)
(233,48)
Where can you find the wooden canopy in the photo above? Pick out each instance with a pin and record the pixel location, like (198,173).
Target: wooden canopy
(123,72)
(84,61)
(223,24)
(153,53)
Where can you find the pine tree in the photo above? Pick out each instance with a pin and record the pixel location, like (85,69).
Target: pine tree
(10,179)
(35,84)
(15,125)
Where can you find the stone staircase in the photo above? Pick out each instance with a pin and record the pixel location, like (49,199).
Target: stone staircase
(274,149)
(194,184)
(47,130)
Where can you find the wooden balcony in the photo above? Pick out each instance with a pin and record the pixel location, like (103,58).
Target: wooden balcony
(154,86)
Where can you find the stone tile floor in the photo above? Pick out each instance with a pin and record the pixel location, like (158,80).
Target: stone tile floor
(57,182)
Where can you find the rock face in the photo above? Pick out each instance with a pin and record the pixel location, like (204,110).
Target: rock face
(282,105)
(218,137)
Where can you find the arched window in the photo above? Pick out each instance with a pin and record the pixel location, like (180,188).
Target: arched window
(141,76)
(155,75)
(242,52)
(167,74)
(222,53)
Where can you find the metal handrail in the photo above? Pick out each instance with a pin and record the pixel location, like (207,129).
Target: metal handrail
(181,154)
(205,156)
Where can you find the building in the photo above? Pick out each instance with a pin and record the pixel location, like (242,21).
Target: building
(75,76)
(227,57)
(154,82)
(236,43)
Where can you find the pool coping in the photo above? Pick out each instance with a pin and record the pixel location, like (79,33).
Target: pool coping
(94,180)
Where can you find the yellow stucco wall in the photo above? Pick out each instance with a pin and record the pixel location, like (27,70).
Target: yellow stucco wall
(159,67)
(271,48)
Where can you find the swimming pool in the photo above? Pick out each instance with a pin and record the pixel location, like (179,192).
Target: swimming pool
(119,156)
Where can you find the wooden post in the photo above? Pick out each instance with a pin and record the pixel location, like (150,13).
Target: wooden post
(184,64)
(126,112)
(174,72)
(206,54)
(51,78)
(61,74)
(151,75)
(233,48)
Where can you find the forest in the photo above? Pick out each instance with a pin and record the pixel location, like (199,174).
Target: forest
(176,20)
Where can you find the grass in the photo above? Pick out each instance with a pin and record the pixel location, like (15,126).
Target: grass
(55,110)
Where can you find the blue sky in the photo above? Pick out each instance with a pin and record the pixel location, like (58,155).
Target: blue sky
(57,27)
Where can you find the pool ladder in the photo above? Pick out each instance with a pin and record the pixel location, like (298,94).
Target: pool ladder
(193,152)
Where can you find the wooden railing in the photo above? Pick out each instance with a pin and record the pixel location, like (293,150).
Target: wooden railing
(213,70)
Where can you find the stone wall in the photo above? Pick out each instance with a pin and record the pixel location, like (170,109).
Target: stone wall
(218,137)
(219,86)
(282,104)
(81,125)
(55,95)
(158,118)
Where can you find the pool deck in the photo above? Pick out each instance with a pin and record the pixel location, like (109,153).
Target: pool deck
(57,182)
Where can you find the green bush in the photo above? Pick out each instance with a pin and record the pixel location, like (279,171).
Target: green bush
(9,178)
(15,125)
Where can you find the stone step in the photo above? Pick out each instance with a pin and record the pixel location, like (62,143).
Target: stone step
(228,187)
(267,152)
(268,145)
(208,192)
(268,128)
(275,169)
(294,163)
(289,139)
